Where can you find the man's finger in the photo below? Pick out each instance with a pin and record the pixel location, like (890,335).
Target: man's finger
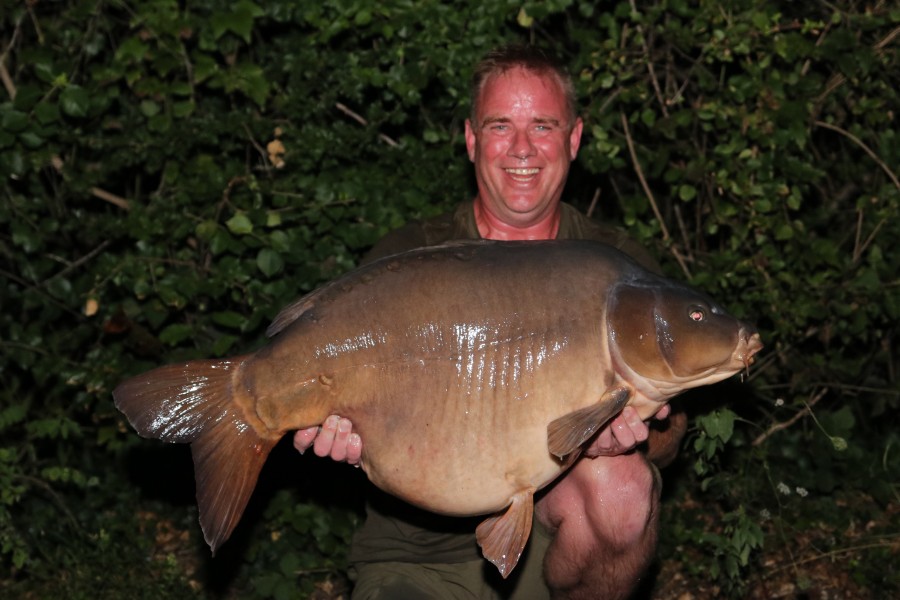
(304,438)
(339,446)
(325,439)
(354,449)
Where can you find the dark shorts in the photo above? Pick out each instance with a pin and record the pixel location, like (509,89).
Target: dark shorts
(473,580)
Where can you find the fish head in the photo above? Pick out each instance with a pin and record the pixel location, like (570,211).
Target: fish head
(666,337)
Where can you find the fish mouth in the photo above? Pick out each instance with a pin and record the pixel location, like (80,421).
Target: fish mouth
(748,346)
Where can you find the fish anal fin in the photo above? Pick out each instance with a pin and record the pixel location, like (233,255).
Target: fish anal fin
(227,461)
(503,536)
(567,433)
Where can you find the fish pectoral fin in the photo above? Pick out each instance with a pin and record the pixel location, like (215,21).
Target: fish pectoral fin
(502,537)
(567,433)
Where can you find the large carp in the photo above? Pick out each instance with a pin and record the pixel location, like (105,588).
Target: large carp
(474,373)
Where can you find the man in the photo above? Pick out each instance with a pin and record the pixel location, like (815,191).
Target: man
(596,527)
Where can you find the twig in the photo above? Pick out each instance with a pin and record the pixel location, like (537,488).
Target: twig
(54,496)
(42,292)
(649,63)
(640,174)
(807,409)
(111,198)
(835,553)
(865,149)
(683,228)
(74,265)
(646,187)
(838,79)
(34,21)
(859,249)
(359,119)
(260,149)
(594,200)
(7,79)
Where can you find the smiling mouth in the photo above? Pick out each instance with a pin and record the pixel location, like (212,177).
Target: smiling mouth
(524,174)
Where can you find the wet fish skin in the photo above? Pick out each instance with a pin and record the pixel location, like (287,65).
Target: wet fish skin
(474,372)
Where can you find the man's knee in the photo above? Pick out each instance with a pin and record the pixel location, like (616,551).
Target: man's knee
(629,487)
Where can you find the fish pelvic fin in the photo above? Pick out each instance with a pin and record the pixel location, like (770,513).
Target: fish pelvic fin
(503,536)
(194,403)
(567,433)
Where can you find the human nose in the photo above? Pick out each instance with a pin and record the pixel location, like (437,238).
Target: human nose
(520,146)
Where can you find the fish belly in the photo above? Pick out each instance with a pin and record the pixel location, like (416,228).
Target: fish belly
(450,368)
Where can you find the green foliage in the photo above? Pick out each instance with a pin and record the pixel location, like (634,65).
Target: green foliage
(296,527)
(175,173)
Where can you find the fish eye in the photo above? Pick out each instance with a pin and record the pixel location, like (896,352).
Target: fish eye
(697,314)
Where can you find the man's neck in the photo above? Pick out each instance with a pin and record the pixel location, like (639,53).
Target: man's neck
(492,228)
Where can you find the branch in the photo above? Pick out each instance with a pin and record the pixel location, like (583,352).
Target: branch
(865,148)
(7,79)
(640,174)
(594,200)
(646,187)
(76,264)
(807,410)
(111,198)
(57,163)
(649,63)
(859,249)
(838,79)
(835,553)
(359,119)
(260,149)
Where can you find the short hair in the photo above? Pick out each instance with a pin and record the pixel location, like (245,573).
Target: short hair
(521,56)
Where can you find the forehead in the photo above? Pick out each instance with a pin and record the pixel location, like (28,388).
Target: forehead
(521,93)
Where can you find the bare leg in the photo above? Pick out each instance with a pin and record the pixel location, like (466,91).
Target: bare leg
(604,513)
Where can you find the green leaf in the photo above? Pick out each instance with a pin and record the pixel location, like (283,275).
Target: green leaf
(175,334)
(239,224)
(46,113)
(149,108)
(74,101)
(13,120)
(687,192)
(269,262)
(229,318)
(206,230)
(239,20)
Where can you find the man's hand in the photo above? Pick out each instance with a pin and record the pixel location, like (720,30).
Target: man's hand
(335,439)
(665,438)
(622,434)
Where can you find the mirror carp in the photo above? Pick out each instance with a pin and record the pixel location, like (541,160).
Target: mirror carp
(474,373)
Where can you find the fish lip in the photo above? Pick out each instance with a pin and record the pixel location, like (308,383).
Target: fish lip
(749,345)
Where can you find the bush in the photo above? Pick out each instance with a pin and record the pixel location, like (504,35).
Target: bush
(175,174)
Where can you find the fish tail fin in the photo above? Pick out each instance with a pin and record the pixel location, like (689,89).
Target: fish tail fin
(194,403)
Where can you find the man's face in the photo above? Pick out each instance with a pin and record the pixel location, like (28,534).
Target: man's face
(521,144)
